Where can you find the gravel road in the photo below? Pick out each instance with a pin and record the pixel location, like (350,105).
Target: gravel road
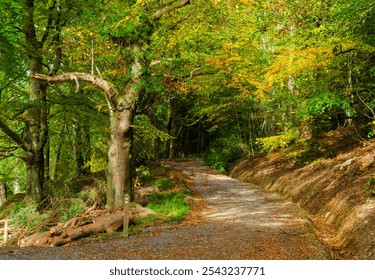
(232,220)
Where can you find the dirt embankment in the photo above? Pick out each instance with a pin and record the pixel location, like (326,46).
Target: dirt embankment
(336,192)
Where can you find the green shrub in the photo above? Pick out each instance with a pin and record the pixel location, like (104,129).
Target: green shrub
(273,143)
(371,133)
(214,158)
(144,173)
(224,151)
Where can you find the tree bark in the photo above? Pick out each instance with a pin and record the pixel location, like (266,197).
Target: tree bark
(36,129)
(119,179)
(61,139)
(47,162)
(36,136)
(3,193)
(35,177)
(172,129)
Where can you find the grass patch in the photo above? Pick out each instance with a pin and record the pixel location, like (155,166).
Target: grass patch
(170,204)
(164,184)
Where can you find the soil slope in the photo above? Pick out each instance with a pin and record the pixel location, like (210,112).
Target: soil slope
(229,220)
(336,192)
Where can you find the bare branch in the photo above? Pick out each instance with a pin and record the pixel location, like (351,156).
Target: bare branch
(10,82)
(190,76)
(49,23)
(13,135)
(193,71)
(368,107)
(338,50)
(174,5)
(110,92)
(156,62)
(24,156)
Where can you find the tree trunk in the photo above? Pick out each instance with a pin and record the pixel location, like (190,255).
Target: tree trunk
(187,144)
(119,171)
(200,140)
(47,163)
(56,162)
(86,142)
(172,130)
(79,158)
(47,148)
(121,117)
(119,179)
(3,193)
(36,129)
(35,177)
(36,135)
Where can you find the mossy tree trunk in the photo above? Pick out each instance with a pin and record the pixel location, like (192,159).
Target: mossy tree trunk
(36,129)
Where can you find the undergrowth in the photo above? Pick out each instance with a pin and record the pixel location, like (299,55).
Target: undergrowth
(370,186)
(172,205)
(66,200)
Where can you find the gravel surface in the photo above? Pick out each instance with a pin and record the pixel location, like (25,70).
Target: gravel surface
(230,220)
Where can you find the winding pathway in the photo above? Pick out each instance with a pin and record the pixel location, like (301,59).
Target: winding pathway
(236,221)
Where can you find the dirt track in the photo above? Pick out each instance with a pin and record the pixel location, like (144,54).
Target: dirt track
(231,220)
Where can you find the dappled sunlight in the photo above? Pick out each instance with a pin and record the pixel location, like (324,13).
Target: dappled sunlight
(235,202)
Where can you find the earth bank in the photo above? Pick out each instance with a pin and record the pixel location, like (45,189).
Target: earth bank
(337,192)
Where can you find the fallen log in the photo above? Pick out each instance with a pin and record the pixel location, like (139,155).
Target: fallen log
(79,227)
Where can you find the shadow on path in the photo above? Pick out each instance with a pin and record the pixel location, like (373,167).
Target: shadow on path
(239,221)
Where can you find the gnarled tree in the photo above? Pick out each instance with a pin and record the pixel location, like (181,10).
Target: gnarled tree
(122,101)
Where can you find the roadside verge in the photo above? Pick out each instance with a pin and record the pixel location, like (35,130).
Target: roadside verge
(335,192)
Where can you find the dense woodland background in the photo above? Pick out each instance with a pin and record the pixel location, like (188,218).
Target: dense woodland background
(153,79)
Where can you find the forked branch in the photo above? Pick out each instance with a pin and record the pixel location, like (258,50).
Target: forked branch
(174,5)
(110,92)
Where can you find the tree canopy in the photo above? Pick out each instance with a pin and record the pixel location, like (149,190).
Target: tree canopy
(114,84)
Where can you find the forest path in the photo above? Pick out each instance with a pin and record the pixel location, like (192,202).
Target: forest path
(230,220)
